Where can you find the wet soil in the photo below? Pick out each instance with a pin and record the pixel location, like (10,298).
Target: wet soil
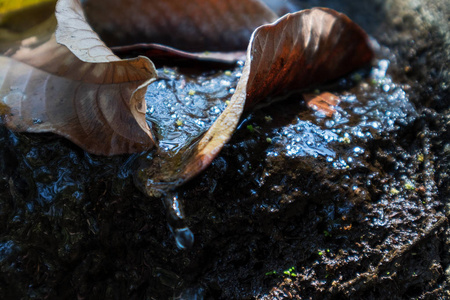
(297,206)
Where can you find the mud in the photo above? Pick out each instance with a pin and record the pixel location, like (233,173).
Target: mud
(297,206)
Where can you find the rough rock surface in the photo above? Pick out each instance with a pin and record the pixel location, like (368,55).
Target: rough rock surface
(297,206)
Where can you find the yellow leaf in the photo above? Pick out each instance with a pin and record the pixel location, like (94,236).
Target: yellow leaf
(7,6)
(20,18)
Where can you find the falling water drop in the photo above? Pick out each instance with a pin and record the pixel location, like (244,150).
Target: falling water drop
(184,237)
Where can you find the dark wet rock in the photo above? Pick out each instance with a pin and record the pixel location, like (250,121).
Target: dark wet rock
(419,33)
(298,205)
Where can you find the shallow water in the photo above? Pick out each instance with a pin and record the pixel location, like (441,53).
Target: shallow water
(183,106)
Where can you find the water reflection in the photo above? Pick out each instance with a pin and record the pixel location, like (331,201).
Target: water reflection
(374,106)
(183,106)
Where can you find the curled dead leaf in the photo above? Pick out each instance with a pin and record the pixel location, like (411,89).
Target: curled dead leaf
(297,51)
(70,83)
(163,55)
(302,50)
(196,25)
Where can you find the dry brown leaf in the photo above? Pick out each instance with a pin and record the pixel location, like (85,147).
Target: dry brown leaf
(304,49)
(195,25)
(70,83)
(308,47)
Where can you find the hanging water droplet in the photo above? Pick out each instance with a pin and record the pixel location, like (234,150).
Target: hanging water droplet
(184,237)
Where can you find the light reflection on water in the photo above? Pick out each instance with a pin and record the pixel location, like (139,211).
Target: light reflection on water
(374,106)
(302,139)
(182,107)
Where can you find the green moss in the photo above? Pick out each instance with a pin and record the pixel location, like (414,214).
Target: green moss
(346,140)
(409,186)
(268,119)
(394,191)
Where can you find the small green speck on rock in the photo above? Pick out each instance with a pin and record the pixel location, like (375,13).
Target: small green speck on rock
(408,186)
(394,191)
(268,119)
(271,273)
